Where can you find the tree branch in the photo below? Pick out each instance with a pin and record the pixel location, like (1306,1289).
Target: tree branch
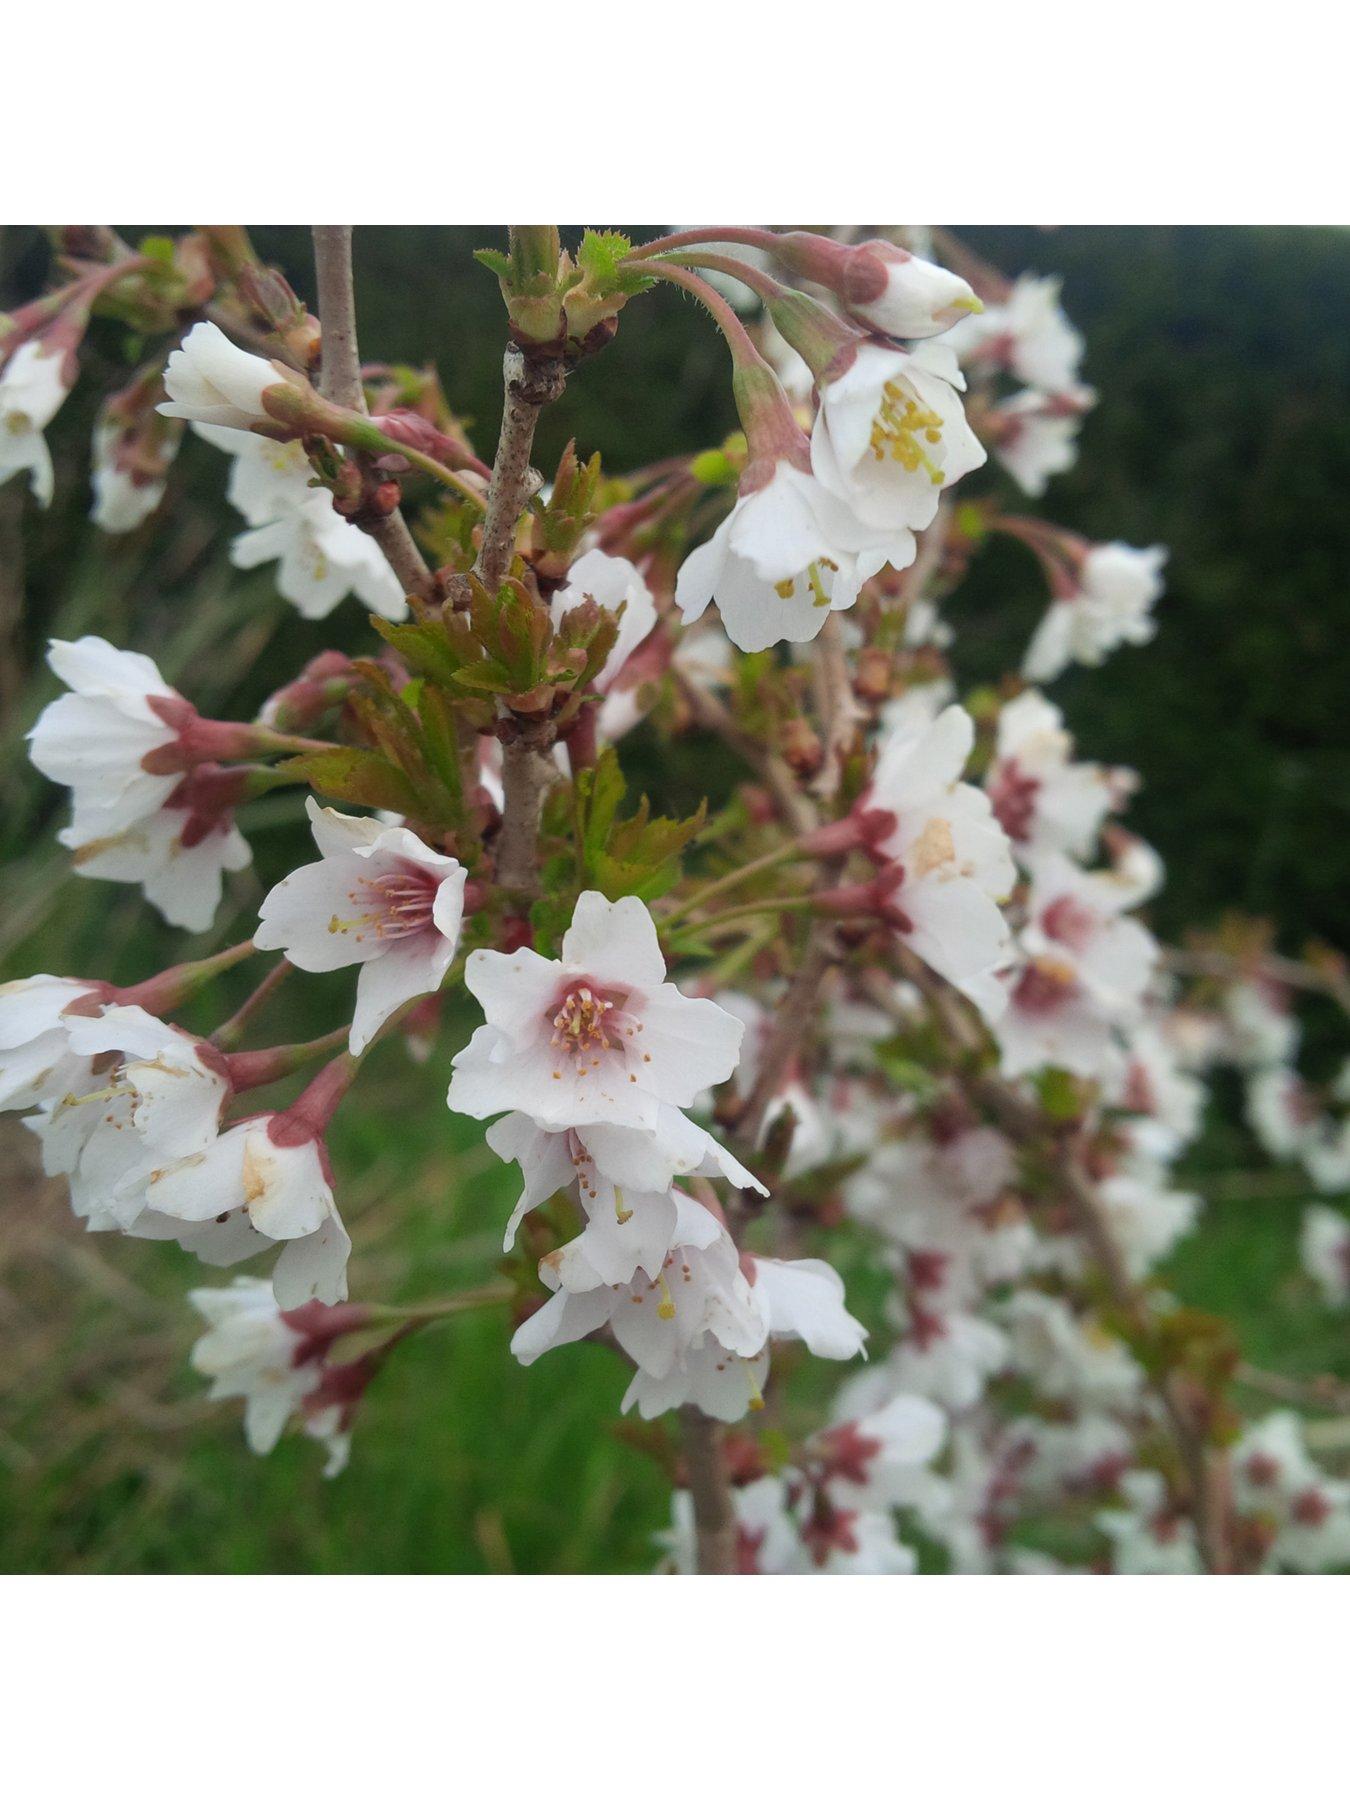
(706,1470)
(526,772)
(340,382)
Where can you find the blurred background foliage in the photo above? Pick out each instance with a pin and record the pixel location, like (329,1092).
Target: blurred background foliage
(1223,431)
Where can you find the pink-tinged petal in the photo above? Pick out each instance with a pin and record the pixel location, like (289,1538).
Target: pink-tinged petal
(319,915)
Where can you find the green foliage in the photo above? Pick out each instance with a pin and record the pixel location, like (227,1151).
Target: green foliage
(638,855)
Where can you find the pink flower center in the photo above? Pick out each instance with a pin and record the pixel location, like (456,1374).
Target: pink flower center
(1043,987)
(1069,922)
(1012,795)
(397,904)
(589,1021)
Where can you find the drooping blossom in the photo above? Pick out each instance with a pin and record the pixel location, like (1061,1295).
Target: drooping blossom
(142,1095)
(598,1036)
(36,1060)
(1324,1247)
(321,557)
(610,1163)
(944,856)
(1035,435)
(1041,797)
(1026,334)
(787,555)
(274,1362)
(1108,601)
(1085,971)
(724,1378)
(213,382)
(891,434)
(378,896)
(33,383)
(145,808)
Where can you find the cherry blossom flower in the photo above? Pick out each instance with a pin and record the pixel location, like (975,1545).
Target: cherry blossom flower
(917,299)
(122,500)
(697,1289)
(156,1098)
(1324,1247)
(597,1037)
(33,383)
(179,855)
(1262,1030)
(891,434)
(719,1373)
(1035,436)
(1281,1111)
(787,554)
(262,1182)
(1109,603)
(1067,1357)
(944,854)
(1086,970)
(881,1459)
(1040,796)
(1154,1084)
(254,1352)
(321,556)
(378,896)
(1148,1536)
(767,1539)
(36,1061)
(1027,334)
(212,381)
(944,1357)
(609,1163)
(95,739)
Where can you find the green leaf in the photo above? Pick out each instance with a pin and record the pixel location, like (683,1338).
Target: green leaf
(361,777)
(497,261)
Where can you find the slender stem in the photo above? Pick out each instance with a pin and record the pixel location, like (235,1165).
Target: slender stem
(784,853)
(1286,970)
(753,235)
(739,341)
(525,770)
(340,382)
(789,1031)
(837,709)
(706,1471)
(226,1036)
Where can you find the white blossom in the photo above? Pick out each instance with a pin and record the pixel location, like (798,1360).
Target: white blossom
(121,502)
(214,382)
(249,1352)
(951,856)
(1110,604)
(262,1182)
(1027,334)
(891,434)
(596,1037)
(36,1061)
(321,556)
(378,896)
(33,383)
(1041,797)
(156,1098)
(786,555)
(95,739)
(1324,1246)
